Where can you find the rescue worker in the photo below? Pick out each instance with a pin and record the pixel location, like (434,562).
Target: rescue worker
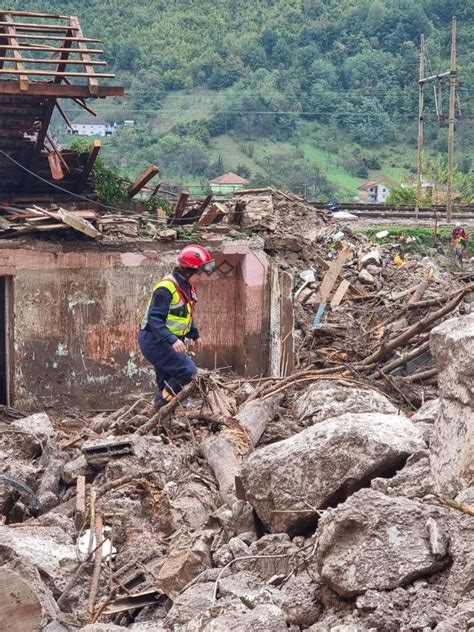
(458,236)
(168,321)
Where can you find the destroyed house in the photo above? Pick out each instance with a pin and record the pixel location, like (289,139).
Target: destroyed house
(70,299)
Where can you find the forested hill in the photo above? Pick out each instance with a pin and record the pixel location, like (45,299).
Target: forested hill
(292,76)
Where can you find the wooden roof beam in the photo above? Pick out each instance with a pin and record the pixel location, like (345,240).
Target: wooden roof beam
(27,26)
(57,38)
(29,14)
(76,62)
(149,173)
(10,31)
(54,49)
(52,73)
(92,81)
(45,88)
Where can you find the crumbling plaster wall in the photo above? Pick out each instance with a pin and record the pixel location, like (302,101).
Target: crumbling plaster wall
(76,312)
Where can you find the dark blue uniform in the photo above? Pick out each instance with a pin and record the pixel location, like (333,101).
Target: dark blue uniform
(173,370)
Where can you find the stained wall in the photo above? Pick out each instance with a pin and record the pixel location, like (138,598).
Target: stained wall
(73,320)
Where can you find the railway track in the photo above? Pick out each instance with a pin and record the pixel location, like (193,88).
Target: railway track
(388,211)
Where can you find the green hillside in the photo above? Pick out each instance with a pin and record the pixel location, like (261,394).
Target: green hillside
(308,94)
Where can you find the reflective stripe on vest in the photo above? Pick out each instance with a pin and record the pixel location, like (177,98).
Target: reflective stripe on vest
(180,313)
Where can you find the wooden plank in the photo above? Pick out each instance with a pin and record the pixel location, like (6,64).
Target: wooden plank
(41,27)
(149,173)
(131,602)
(93,83)
(57,38)
(62,91)
(331,275)
(10,31)
(52,73)
(94,152)
(340,292)
(76,62)
(213,215)
(81,494)
(179,208)
(81,225)
(53,49)
(29,14)
(194,214)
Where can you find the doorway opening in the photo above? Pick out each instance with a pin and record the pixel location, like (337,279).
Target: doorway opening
(5,329)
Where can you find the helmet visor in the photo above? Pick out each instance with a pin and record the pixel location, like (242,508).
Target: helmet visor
(208,267)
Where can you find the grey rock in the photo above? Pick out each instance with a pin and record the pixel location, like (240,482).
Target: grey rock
(300,600)
(373,541)
(327,398)
(460,584)
(38,425)
(102,627)
(372,257)
(48,549)
(461,620)
(77,467)
(239,619)
(189,604)
(366,278)
(414,480)
(324,464)
(452,443)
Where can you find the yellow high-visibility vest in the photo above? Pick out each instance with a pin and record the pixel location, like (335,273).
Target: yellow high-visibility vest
(180,314)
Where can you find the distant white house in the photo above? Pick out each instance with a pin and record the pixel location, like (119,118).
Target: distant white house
(92,126)
(373,191)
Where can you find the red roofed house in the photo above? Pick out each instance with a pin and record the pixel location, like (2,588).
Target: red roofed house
(373,191)
(228,183)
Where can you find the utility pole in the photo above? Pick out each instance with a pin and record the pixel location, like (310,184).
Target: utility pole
(451,122)
(421,114)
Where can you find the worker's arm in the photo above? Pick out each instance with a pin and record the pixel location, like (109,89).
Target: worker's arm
(158,314)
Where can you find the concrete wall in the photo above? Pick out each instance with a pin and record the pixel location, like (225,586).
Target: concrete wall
(74,320)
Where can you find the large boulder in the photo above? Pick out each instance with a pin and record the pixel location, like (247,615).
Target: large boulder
(452,442)
(288,482)
(374,541)
(328,398)
(48,549)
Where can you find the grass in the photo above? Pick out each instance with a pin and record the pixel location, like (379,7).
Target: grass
(328,166)
(425,238)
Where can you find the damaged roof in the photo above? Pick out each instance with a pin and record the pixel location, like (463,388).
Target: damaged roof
(63,64)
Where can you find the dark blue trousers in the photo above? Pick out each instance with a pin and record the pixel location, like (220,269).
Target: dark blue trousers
(172,369)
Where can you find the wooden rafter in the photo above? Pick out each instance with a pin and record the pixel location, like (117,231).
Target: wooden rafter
(93,83)
(11,33)
(65,91)
(52,73)
(57,38)
(149,173)
(76,62)
(55,49)
(26,26)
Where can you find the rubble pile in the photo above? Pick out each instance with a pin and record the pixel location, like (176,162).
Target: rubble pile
(362,309)
(339,498)
(203,517)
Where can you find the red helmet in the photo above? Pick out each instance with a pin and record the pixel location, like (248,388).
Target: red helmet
(194,257)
